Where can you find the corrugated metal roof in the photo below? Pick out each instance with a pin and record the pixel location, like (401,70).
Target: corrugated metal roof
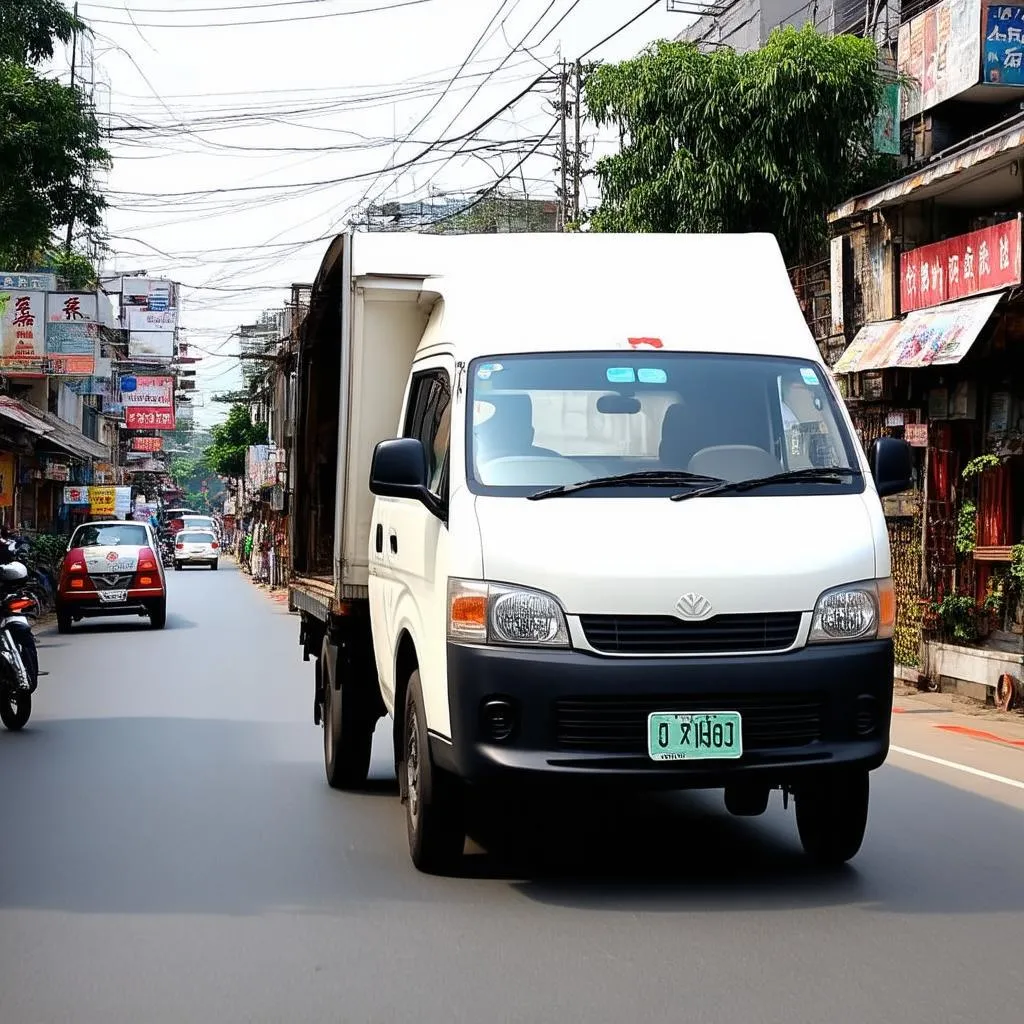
(65,436)
(24,415)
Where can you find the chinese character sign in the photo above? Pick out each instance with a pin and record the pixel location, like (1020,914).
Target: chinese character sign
(22,332)
(141,417)
(982,261)
(1004,45)
(75,307)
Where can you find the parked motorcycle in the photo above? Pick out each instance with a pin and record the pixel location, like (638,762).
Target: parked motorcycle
(19,660)
(167,551)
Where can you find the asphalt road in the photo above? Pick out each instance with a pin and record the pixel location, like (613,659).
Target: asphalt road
(170,852)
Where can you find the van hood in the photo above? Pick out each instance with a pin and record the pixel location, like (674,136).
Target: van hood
(638,556)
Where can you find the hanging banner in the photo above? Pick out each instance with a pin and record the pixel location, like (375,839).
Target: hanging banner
(6,479)
(122,501)
(103,501)
(71,307)
(981,261)
(141,417)
(22,333)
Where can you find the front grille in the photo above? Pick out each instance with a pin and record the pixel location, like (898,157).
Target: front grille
(112,581)
(618,725)
(665,634)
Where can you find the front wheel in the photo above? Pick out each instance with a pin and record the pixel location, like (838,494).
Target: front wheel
(831,817)
(348,727)
(158,614)
(15,709)
(434,800)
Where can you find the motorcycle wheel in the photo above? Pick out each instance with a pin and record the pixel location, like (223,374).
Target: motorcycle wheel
(29,657)
(15,709)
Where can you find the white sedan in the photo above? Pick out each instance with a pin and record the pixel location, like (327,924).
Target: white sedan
(196,547)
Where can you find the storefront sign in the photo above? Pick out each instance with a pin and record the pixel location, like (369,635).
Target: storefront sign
(147,444)
(7,479)
(887,122)
(54,470)
(916,434)
(836,269)
(122,501)
(1004,45)
(22,332)
(151,392)
(102,501)
(141,417)
(71,307)
(103,473)
(71,348)
(16,281)
(939,53)
(76,495)
(982,261)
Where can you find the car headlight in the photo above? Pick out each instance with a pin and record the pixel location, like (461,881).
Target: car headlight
(857,611)
(491,613)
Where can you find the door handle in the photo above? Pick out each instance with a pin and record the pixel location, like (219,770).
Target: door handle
(393,537)
(379,539)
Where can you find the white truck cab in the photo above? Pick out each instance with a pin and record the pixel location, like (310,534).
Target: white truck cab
(623,533)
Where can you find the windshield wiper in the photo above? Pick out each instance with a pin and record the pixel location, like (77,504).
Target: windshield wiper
(650,477)
(823,475)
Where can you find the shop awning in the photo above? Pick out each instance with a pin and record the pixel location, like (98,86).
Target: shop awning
(22,414)
(62,435)
(936,336)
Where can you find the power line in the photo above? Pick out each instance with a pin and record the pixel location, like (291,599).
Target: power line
(203,10)
(266,21)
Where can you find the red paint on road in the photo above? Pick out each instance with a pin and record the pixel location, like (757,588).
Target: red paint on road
(980,734)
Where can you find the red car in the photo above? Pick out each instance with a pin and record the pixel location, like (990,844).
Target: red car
(112,568)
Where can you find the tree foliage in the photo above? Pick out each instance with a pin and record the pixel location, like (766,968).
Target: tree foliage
(768,140)
(28,29)
(231,439)
(50,140)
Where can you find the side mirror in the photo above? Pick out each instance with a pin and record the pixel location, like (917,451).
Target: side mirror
(892,466)
(399,470)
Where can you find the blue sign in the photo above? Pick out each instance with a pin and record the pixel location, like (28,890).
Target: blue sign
(1004,45)
(128,384)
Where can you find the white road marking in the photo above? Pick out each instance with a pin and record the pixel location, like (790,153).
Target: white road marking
(959,767)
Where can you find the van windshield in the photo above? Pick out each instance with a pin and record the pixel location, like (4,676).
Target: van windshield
(542,421)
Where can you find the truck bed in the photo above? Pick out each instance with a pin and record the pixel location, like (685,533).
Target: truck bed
(313,594)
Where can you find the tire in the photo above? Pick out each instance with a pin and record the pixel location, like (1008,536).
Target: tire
(831,816)
(214,566)
(158,614)
(177,566)
(15,709)
(26,644)
(348,728)
(434,800)
(63,621)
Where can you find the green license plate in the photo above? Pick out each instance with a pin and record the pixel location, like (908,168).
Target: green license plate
(709,735)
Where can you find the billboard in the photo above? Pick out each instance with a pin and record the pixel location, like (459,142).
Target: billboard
(940,53)
(144,417)
(71,348)
(22,335)
(1004,45)
(151,392)
(151,334)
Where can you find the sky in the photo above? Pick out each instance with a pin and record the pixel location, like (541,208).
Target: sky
(240,147)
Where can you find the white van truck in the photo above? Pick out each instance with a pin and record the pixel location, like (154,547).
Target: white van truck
(588,509)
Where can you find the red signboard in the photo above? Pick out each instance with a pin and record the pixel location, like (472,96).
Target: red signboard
(143,417)
(982,261)
(147,444)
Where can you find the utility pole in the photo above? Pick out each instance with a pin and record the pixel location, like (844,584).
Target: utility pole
(577,154)
(563,81)
(74,58)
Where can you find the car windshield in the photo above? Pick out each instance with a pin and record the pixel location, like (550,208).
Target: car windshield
(109,535)
(546,421)
(196,538)
(198,521)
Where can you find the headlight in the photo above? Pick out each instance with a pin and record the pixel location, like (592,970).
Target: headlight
(858,611)
(489,613)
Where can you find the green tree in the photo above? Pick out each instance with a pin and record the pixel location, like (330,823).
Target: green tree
(769,140)
(231,439)
(50,140)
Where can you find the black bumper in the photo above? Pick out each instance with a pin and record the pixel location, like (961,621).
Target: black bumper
(577,716)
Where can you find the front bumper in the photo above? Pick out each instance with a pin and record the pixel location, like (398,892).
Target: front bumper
(583,717)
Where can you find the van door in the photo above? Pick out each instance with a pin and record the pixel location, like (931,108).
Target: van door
(411,570)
